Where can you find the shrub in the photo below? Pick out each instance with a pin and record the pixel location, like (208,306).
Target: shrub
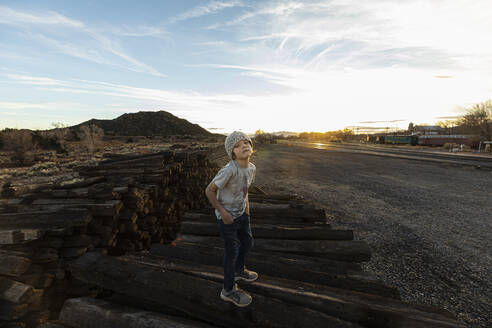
(21,144)
(90,136)
(263,138)
(61,137)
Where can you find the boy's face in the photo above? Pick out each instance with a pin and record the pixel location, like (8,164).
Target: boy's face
(242,150)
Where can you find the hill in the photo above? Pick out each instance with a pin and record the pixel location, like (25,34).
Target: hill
(148,124)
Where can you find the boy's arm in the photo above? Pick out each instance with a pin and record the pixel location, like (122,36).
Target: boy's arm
(211,193)
(247,204)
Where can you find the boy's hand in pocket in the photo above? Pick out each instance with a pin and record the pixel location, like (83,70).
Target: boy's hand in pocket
(226,217)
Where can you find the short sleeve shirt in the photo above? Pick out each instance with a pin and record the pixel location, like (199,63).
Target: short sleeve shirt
(233,182)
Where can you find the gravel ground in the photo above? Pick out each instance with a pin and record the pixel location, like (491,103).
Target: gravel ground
(429,225)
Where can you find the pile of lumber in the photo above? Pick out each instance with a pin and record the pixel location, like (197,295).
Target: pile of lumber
(134,244)
(310,276)
(163,284)
(125,203)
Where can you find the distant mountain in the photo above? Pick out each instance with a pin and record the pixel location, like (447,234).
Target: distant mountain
(159,123)
(285,133)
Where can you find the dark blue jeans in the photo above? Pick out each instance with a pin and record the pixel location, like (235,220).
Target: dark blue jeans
(238,240)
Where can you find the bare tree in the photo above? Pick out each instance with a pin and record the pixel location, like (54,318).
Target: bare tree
(478,119)
(449,126)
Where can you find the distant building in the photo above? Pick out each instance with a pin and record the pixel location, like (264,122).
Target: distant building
(427,129)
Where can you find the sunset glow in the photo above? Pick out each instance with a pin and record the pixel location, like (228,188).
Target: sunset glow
(227,65)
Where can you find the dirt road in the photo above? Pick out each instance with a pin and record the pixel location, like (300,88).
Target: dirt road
(429,225)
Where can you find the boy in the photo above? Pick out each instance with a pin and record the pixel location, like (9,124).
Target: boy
(232,210)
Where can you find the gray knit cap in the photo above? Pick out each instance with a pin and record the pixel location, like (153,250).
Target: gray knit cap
(233,138)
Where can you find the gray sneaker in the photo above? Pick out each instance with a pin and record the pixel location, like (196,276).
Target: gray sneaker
(236,296)
(246,275)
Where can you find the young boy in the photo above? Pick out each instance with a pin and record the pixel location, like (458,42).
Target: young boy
(232,210)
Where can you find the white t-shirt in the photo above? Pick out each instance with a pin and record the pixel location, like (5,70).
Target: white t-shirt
(233,182)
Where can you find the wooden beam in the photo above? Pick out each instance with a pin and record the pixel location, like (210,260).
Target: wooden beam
(362,308)
(8,237)
(13,264)
(100,313)
(198,297)
(14,291)
(45,221)
(328,273)
(270,231)
(342,250)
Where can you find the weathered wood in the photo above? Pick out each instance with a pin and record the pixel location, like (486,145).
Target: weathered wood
(119,158)
(342,250)
(95,225)
(102,314)
(46,221)
(72,252)
(259,207)
(49,241)
(280,197)
(103,171)
(366,309)
(14,292)
(101,190)
(127,215)
(195,296)
(97,207)
(36,300)
(331,273)
(56,269)
(44,255)
(11,311)
(84,183)
(34,319)
(11,201)
(270,231)
(291,221)
(13,263)
(31,279)
(77,241)
(206,254)
(107,234)
(304,214)
(53,324)
(8,237)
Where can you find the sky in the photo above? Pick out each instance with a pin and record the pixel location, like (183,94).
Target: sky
(244,65)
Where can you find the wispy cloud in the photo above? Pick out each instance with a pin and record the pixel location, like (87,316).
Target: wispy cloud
(114,48)
(15,17)
(213,43)
(211,8)
(184,100)
(34,80)
(275,9)
(140,31)
(92,43)
(368,34)
(44,105)
(21,105)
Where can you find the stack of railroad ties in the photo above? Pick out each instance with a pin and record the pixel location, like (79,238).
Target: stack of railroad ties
(310,274)
(125,203)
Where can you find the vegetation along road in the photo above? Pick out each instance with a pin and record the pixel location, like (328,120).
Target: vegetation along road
(428,223)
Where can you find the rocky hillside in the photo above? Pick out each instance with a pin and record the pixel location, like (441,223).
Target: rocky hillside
(147,124)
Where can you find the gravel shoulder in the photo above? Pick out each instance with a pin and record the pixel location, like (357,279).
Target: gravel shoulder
(429,225)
